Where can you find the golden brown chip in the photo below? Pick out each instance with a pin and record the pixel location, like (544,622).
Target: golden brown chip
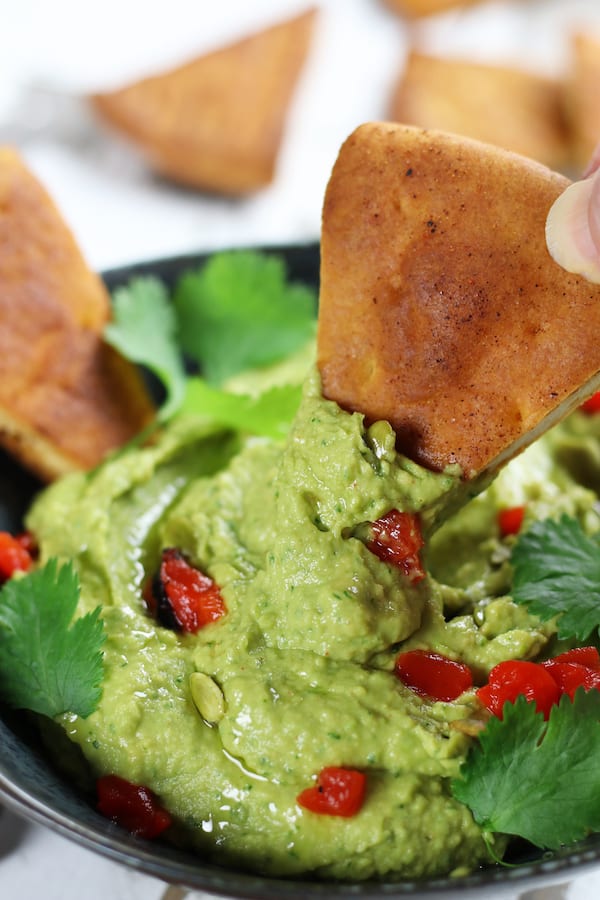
(66,399)
(582,97)
(513,108)
(217,122)
(416,8)
(441,309)
(39,257)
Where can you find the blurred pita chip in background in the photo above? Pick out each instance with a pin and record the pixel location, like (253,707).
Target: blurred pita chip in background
(511,108)
(216,123)
(582,96)
(416,8)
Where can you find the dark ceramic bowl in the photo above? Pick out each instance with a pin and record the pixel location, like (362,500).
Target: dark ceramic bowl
(33,788)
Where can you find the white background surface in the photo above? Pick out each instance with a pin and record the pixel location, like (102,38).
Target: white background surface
(54,51)
(118,211)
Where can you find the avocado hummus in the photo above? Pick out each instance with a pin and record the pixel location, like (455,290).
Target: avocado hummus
(229,725)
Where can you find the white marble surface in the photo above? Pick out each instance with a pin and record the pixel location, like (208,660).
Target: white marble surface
(120,214)
(118,211)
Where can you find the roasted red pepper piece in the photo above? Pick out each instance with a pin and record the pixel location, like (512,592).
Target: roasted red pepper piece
(585,656)
(571,675)
(338,792)
(28,542)
(397,539)
(433,675)
(509,679)
(510,520)
(591,406)
(181,596)
(132,806)
(16,554)
(579,667)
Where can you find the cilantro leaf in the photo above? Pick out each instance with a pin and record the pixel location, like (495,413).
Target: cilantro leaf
(557,573)
(269,414)
(536,780)
(144,329)
(47,664)
(238,312)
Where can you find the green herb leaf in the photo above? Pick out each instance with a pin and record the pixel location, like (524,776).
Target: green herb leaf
(557,573)
(47,664)
(144,329)
(269,414)
(536,780)
(238,312)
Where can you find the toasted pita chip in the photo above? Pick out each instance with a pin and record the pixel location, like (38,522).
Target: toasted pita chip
(66,398)
(417,8)
(513,108)
(441,309)
(582,97)
(217,122)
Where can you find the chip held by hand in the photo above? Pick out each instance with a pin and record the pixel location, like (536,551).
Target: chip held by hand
(441,309)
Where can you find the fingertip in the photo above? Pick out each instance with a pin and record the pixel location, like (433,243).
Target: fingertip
(573,229)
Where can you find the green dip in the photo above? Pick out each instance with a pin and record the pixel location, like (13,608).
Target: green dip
(229,725)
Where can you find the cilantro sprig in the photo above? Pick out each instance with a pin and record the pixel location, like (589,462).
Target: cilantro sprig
(144,329)
(240,312)
(269,414)
(557,573)
(537,780)
(49,664)
(236,313)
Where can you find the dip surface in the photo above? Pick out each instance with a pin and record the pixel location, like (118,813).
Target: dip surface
(229,725)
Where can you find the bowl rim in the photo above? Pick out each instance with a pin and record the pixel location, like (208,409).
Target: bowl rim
(182,869)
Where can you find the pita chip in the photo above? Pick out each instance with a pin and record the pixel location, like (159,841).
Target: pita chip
(66,398)
(441,309)
(513,108)
(217,122)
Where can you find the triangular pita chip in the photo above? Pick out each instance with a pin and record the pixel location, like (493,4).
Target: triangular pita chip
(66,398)
(217,122)
(441,309)
(513,108)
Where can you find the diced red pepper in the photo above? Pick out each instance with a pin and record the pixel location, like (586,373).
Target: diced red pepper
(338,792)
(509,679)
(585,656)
(510,520)
(16,554)
(591,406)
(579,667)
(181,596)
(28,542)
(433,675)
(571,675)
(132,806)
(397,539)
